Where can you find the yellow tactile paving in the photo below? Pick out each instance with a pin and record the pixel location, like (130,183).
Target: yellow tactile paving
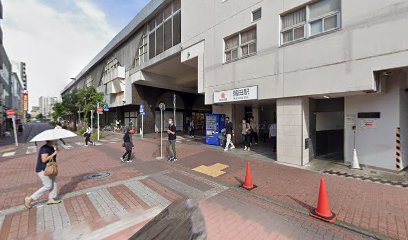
(214,170)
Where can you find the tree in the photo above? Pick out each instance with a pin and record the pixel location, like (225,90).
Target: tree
(40,116)
(67,108)
(58,111)
(88,99)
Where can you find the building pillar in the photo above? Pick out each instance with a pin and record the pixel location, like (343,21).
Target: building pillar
(293,130)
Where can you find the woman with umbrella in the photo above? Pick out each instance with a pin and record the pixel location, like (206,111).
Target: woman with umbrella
(47,154)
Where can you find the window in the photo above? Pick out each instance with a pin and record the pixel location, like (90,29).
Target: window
(248,42)
(231,48)
(88,82)
(165,29)
(257,14)
(141,55)
(240,45)
(310,20)
(293,26)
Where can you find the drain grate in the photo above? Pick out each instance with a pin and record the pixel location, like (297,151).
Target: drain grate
(97,176)
(366,178)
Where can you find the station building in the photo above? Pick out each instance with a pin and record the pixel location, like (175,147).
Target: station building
(331,73)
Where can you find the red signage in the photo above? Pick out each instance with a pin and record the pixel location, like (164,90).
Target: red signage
(100,110)
(10,113)
(25,101)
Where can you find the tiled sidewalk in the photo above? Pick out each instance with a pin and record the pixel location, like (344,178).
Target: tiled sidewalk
(377,208)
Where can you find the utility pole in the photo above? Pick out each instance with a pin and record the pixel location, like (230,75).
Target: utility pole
(97,114)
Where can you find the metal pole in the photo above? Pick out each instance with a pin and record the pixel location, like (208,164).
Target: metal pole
(15,131)
(97,114)
(91,118)
(174,110)
(161,133)
(142,127)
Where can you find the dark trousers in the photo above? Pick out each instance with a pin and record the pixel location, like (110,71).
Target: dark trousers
(254,137)
(192,132)
(247,139)
(171,144)
(273,143)
(88,139)
(128,153)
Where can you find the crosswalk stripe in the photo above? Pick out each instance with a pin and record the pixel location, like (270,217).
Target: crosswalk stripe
(31,149)
(81,144)
(8,154)
(67,146)
(98,144)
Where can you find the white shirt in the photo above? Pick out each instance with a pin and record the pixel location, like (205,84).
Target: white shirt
(272,130)
(57,127)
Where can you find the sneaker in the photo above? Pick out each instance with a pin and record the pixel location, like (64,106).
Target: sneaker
(174,159)
(245,148)
(130,160)
(86,145)
(249,149)
(232,147)
(225,150)
(27,202)
(122,160)
(53,201)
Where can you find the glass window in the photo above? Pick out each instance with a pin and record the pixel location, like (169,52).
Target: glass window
(323,8)
(152,25)
(323,16)
(177,5)
(167,35)
(159,40)
(152,45)
(330,23)
(316,27)
(248,42)
(256,15)
(167,12)
(177,28)
(231,48)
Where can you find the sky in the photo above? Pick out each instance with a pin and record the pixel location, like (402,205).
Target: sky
(58,38)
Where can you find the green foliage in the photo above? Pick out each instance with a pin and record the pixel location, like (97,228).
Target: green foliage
(40,116)
(95,135)
(81,131)
(87,99)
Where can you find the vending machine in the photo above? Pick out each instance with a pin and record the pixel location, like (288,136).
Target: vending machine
(214,123)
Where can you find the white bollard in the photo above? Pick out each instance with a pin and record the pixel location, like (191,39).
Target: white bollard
(355,164)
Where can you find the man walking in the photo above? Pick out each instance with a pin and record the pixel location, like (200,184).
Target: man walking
(229,132)
(171,131)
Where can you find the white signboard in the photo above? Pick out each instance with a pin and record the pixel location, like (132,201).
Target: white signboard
(368,123)
(351,119)
(238,94)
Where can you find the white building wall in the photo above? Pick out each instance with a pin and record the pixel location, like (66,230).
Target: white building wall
(376,146)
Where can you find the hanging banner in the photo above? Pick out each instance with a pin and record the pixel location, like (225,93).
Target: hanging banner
(25,101)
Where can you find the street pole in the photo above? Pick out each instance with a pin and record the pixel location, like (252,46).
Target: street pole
(15,131)
(97,114)
(92,111)
(142,126)
(174,110)
(161,134)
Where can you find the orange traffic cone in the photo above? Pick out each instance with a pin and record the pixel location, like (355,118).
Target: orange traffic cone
(323,211)
(248,184)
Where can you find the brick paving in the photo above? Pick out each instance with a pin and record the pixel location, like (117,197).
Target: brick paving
(115,207)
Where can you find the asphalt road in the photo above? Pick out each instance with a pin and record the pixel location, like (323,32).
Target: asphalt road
(32,129)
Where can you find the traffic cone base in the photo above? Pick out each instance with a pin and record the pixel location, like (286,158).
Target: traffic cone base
(330,219)
(323,211)
(248,184)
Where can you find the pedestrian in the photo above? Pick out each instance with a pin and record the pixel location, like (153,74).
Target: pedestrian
(58,126)
(272,135)
(192,128)
(265,131)
(229,131)
(171,131)
(128,145)
(46,153)
(87,136)
(246,134)
(254,130)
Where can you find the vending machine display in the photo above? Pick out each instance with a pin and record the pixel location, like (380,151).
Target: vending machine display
(214,123)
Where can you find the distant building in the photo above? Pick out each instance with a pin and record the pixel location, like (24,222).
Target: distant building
(35,110)
(20,69)
(46,104)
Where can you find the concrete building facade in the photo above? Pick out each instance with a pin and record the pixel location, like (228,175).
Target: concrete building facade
(332,73)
